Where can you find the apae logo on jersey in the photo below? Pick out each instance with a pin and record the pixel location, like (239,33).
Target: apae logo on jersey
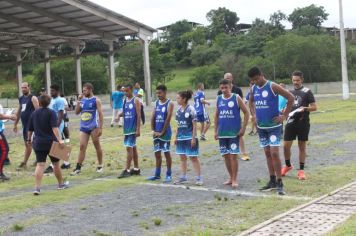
(163,109)
(264,93)
(130,106)
(231,104)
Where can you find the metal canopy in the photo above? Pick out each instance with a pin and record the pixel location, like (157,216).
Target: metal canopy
(45,23)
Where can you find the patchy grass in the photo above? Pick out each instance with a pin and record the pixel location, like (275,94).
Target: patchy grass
(181,80)
(347,228)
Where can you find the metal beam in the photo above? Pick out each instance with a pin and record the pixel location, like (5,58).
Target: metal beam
(57,17)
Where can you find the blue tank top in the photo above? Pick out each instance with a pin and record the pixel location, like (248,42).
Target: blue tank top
(88,114)
(185,119)
(130,116)
(26,108)
(266,103)
(161,114)
(198,105)
(229,116)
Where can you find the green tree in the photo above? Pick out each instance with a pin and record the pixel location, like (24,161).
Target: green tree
(311,15)
(209,75)
(222,20)
(179,45)
(276,20)
(205,55)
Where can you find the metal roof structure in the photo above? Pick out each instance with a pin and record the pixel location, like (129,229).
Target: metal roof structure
(46,23)
(31,23)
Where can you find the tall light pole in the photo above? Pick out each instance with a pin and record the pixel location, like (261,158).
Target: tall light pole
(345,80)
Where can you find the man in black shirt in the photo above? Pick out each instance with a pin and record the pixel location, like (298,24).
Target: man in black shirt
(238,91)
(298,124)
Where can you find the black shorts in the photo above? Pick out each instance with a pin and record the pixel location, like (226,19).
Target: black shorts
(299,128)
(41,156)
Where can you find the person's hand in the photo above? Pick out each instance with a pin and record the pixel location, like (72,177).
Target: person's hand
(15,129)
(242,132)
(279,119)
(216,137)
(80,96)
(253,119)
(13,117)
(99,132)
(157,134)
(61,143)
(138,134)
(193,142)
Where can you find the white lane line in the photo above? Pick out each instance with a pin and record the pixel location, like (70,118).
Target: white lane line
(224,191)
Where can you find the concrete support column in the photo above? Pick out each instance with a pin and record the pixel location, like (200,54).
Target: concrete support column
(147,70)
(47,71)
(111,66)
(78,70)
(19,72)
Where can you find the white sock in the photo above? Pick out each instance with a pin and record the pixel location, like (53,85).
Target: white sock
(66,163)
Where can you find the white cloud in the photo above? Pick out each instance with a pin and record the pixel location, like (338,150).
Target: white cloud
(157,13)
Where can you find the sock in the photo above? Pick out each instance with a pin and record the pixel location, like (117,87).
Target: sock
(158,171)
(272,178)
(136,168)
(78,167)
(301,166)
(169,172)
(288,163)
(199,178)
(279,180)
(66,163)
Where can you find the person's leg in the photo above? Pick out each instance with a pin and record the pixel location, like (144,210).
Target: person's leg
(302,155)
(206,128)
(183,165)
(168,157)
(135,157)
(228,167)
(121,119)
(276,161)
(99,152)
(269,160)
(143,117)
(39,174)
(57,172)
(196,166)
(234,169)
(113,117)
(3,152)
(28,147)
(83,144)
(287,145)
(202,125)
(158,157)
(129,158)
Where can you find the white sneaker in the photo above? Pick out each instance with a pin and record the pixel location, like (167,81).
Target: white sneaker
(99,169)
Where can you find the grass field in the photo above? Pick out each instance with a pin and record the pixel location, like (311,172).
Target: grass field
(181,80)
(220,216)
(348,228)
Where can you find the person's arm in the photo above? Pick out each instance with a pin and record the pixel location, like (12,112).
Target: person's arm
(101,116)
(30,130)
(153,120)
(194,133)
(246,116)
(18,114)
(216,123)
(56,133)
(35,103)
(311,101)
(77,106)
(168,120)
(60,117)
(203,101)
(138,120)
(287,95)
(7,117)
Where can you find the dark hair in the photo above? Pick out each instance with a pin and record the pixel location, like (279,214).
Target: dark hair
(297,73)
(254,71)
(118,87)
(88,86)
(224,82)
(129,86)
(55,87)
(162,87)
(44,100)
(187,94)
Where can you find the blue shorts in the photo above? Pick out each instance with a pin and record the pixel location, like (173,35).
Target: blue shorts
(203,117)
(229,145)
(87,131)
(270,137)
(161,145)
(184,148)
(130,140)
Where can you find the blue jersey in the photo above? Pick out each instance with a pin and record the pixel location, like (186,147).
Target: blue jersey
(198,105)
(229,116)
(57,105)
(161,114)
(26,108)
(88,114)
(130,116)
(282,103)
(266,103)
(117,99)
(185,119)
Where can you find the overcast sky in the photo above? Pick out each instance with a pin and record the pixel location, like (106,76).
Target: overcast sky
(156,13)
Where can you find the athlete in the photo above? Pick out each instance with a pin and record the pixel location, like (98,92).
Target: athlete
(264,106)
(202,114)
(116,102)
(91,125)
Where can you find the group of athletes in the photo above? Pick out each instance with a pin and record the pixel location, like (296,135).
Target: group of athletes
(270,105)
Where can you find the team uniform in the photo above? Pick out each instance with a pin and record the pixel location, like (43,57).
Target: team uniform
(88,115)
(299,125)
(117,99)
(266,104)
(130,122)
(185,119)
(163,142)
(57,105)
(26,110)
(202,115)
(229,124)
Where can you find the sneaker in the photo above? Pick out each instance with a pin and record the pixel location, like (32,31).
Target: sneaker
(124,174)
(301,175)
(285,170)
(75,172)
(22,165)
(99,169)
(245,157)
(4,177)
(153,178)
(37,192)
(65,167)
(269,186)
(199,182)
(49,170)
(280,189)
(167,179)
(65,185)
(181,180)
(203,138)
(135,172)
